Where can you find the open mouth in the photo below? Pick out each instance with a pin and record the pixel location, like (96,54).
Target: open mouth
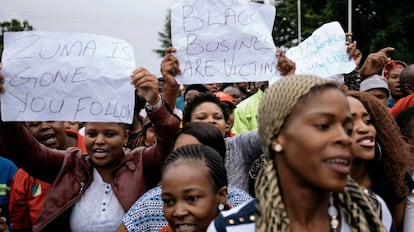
(340,165)
(367,141)
(185,228)
(100,153)
(48,140)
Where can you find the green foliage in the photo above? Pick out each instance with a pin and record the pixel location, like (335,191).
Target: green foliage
(285,25)
(165,36)
(13,25)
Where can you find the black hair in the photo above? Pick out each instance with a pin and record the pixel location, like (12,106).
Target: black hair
(198,87)
(205,133)
(406,76)
(206,155)
(202,98)
(405,120)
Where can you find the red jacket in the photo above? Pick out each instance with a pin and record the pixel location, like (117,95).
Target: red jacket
(71,172)
(27,193)
(402,104)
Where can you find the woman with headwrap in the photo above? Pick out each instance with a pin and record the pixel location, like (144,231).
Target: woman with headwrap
(392,71)
(305,126)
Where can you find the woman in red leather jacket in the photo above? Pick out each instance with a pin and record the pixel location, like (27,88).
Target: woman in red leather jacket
(93,191)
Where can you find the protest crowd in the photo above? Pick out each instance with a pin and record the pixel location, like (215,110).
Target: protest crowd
(302,152)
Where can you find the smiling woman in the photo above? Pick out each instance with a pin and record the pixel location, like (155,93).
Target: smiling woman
(381,164)
(305,127)
(194,187)
(91,192)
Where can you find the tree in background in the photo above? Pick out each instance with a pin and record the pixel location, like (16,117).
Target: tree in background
(376,24)
(13,25)
(165,36)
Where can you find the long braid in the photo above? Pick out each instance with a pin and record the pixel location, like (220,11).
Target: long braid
(271,212)
(358,208)
(277,103)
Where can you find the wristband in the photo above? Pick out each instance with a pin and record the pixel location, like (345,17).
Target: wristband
(151,108)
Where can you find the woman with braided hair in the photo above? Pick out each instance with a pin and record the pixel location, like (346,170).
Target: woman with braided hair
(381,164)
(305,126)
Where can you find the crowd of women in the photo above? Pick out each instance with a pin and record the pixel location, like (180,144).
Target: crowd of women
(326,156)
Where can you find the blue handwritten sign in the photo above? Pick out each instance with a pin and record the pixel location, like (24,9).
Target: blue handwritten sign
(223,41)
(323,53)
(67,77)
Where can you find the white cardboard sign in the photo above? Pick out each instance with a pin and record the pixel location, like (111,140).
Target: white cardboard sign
(221,41)
(323,53)
(67,77)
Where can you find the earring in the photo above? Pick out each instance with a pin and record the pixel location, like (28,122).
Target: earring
(221,207)
(378,150)
(277,147)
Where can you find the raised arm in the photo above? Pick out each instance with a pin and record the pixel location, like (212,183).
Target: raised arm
(374,62)
(165,123)
(170,68)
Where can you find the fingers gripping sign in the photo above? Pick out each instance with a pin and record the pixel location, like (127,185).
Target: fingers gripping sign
(170,66)
(147,85)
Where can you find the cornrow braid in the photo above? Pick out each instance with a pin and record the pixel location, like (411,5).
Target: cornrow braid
(203,154)
(360,210)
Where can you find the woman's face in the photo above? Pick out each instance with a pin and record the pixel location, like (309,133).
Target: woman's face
(316,142)
(394,81)
(104,142)
(363,134)
(189,200)
(50,133)
(211,113)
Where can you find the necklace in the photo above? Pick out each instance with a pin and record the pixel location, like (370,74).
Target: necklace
(333,214)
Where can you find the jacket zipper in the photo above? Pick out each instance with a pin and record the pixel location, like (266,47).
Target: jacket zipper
(82,185)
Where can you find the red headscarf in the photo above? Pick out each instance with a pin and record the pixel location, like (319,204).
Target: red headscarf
(392,64)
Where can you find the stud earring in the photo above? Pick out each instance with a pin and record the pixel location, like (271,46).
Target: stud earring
(220,207)
(277,147)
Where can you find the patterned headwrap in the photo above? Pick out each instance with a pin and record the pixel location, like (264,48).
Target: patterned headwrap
(277,103)
(392,64)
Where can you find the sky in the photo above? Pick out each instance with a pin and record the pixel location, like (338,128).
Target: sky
(135,21)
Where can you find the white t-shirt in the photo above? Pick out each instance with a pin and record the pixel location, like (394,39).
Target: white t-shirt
(98,210)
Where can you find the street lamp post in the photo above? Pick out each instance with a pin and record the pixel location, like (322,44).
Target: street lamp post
(299,23)
(350,16)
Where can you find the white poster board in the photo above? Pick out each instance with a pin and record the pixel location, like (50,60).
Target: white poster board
(222,41)
(52,76)
(323,53)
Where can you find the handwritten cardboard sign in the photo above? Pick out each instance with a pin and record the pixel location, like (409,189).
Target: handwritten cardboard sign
(67,77)
(223,41)
(323,53)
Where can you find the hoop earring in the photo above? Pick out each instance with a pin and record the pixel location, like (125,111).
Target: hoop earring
(220,207)
(277,147)
(378,150)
